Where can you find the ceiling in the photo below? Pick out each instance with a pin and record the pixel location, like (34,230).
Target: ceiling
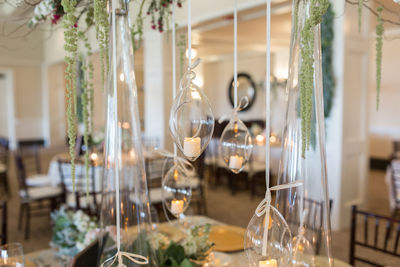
(215,38)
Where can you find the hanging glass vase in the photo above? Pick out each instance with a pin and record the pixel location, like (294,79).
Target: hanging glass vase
(306,208)
(235,144)
(125,209)
(176,189)
(191,119)
(278,247)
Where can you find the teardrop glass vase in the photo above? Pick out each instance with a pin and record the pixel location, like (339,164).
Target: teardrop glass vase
(124,164)
(279,245)
(305,208)
(235,145)
(191,119)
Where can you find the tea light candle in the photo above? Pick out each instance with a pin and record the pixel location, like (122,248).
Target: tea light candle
(268,263)
(191,146)
(177,207)
(235,162)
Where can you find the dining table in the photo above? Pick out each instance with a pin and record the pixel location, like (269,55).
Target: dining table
(223,235)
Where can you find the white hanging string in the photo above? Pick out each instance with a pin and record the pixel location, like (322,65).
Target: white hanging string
(189,10)
(114,57)
(235,18)
(118,256)
(268,92)
(267,123)
(174,65)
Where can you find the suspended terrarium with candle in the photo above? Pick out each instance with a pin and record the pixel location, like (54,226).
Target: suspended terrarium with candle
(306,208)
(176,188)
(191,120)
(125,210)
(235,143)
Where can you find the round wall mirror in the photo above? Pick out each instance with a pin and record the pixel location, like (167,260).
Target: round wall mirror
(246,87)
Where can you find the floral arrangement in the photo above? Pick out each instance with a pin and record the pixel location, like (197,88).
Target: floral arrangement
(72,231)
(192,252)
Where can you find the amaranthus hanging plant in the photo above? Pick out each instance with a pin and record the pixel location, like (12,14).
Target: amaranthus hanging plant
(379,45)
(102,29)
(71,47)
(306,77)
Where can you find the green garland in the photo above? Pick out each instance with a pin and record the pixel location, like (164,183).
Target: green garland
(71,47)
(87,100)
(379,44)
(360,7)
(306,76)
(328,77)
(102,29)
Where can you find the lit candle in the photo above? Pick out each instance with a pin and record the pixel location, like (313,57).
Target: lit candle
(191,146)
(268,263)
(177,207)
(235,162)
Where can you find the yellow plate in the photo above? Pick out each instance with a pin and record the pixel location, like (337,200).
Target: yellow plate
(227,238)
(28,263)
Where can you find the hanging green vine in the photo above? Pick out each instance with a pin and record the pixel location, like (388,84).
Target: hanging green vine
(360,9)
(102,29)
(328,77)
(86,100)
(379,44)
(306,76)
(71,47)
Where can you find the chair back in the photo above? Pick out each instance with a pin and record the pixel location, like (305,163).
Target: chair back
(374,232)
(313,221)
(21,175)
(30,154)
(90,256)
(4,149)
(3,212)
(90,193)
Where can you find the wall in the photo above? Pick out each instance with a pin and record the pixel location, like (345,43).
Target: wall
(385,123)
(23,57)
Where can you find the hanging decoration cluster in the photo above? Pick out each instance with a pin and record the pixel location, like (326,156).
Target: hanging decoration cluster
(96,15)
(318,9)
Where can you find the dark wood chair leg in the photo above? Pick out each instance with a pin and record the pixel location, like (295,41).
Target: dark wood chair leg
(28,221)
(21,216)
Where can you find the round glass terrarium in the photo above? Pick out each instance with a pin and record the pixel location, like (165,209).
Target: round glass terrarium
(235,144)
(191,120)
(276,252)
(176,190)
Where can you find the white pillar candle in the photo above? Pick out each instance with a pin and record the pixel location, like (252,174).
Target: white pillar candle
(268,263)
(191,146)
(177,207)
(235,162)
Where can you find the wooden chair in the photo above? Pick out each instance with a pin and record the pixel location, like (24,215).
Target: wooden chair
(90,256)
(85,199)
(3,233)
(32,199)
(373,224)
(396,149)
(30,155)
(4,163)
(313,221)
(394,187)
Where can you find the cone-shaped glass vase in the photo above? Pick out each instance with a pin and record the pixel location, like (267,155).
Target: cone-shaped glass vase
(124,164)
(305,208)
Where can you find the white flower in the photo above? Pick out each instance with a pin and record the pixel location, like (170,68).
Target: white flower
(41,11)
